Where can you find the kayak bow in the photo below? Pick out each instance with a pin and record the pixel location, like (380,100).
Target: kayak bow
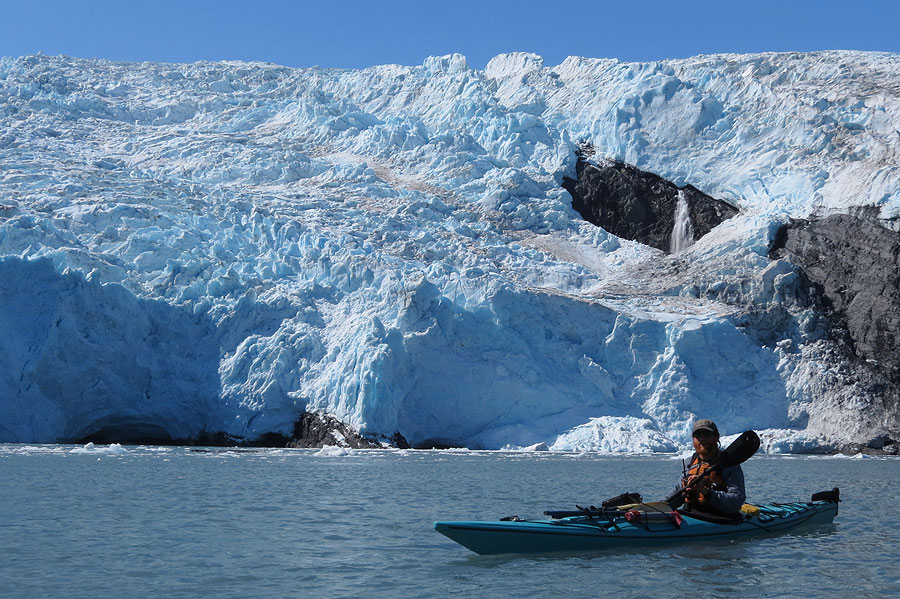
(587,532)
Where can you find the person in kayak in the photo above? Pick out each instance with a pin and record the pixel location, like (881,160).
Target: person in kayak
(720,492)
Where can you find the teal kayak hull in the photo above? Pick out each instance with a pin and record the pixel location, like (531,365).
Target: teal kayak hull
(581,533)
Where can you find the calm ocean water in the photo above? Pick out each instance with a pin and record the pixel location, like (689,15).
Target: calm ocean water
(189,522)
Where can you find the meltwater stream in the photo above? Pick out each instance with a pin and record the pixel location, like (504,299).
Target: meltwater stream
(194,522)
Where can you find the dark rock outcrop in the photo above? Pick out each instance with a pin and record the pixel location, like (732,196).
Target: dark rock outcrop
(312,429)
(639,205)
(855,259)
(882,445)
(317,430)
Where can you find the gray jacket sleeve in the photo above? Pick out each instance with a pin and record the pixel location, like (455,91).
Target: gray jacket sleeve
(729,499)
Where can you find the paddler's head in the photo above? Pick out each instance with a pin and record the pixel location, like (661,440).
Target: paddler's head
(706,439)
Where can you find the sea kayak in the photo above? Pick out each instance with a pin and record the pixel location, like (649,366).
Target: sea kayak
(635,527)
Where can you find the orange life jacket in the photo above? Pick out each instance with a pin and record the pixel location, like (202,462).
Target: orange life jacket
(695,496)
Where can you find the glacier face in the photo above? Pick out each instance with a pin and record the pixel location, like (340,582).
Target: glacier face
(218,247)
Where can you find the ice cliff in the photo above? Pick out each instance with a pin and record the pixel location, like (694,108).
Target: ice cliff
(219,248)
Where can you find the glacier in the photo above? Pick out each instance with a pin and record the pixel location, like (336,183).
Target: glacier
(193,249)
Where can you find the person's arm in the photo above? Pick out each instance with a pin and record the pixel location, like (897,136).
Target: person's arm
(730,499)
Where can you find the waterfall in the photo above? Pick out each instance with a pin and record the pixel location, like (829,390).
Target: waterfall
(683,232)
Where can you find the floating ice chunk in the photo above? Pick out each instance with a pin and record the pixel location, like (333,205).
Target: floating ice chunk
(856,456)
(332,451)
(531,448)
(113,449)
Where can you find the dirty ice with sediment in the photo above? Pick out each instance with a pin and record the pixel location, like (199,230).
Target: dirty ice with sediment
(190,249)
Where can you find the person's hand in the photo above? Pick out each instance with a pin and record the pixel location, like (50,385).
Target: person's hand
(705,486)
(690,494)
(698,491)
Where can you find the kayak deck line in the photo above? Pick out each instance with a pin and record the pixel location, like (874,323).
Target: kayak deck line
(585,532)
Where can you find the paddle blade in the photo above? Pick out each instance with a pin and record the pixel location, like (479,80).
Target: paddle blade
(740,450)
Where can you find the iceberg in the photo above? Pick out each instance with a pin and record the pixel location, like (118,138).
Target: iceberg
(191,250)
(90,448)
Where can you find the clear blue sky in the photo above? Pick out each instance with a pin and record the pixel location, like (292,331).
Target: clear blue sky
(351,33)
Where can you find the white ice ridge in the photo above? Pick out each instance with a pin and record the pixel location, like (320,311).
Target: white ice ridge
(217,247)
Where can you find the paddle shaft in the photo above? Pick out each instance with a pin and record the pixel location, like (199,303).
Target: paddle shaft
(598,514)
(602,514)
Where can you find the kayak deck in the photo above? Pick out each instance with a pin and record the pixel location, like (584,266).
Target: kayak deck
(589,532)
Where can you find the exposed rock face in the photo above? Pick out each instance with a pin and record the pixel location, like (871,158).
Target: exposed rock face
(311,430)
(879,446)
(856,261)
(639,205)
(318,430)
